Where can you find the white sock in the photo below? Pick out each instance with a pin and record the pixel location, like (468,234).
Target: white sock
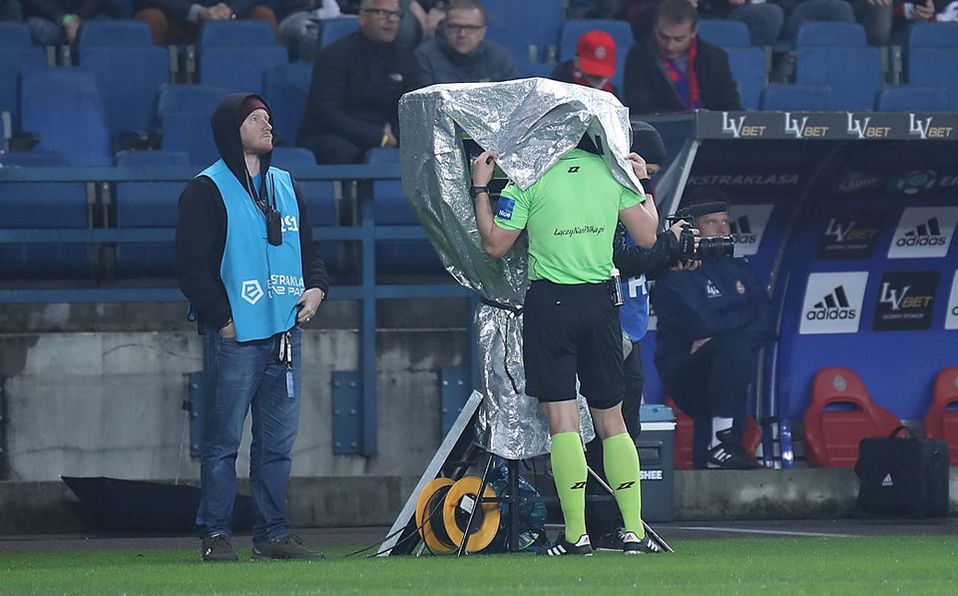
(718,425)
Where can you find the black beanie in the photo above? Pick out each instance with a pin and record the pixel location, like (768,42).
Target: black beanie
(647,143)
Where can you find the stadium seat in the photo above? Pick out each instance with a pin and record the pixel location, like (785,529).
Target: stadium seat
(286,88)
(727,34)
(14,34)
(14,61)
(854,85)
(931,35)
(527,29)
(840,415)
(786,98)
(620,31)
(941,419)
(147,205)
(335,29)
(830,33)
(128,79)
(238,68)
(935,67)
(190,133)
(112,33)
(748,69)
(33,159)
(236,33)
(61,107)
(912,98)
(188,98)
(291,157)
(685,434)
(528,70)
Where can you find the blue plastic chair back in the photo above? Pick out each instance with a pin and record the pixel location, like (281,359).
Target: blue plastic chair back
(748,70)
(796,97)
(912,98)
(519,24)
(112,33)
(620,31)
(62,107)
(291,157)
(128,80)
(830,33)
(727,34)
(189,132)
(286,88)
(189,98)
(236,33)
(13,62)
(33,159)
(932,35)
(239,68)
(14,34)
(336,29)
(936,67)
(854,85)
(139,158)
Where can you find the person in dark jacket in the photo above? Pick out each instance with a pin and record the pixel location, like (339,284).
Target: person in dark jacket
(460,53)
(711,323)
(674,71)
(593,65)
(178,21)
(54,22)
(246,261)
(353,102)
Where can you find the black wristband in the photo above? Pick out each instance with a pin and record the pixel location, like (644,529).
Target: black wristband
(475,190)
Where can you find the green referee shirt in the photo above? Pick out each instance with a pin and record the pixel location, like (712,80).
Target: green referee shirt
(571,213)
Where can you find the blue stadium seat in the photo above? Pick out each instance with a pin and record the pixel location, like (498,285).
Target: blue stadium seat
(524,27)
(128,79)
(336,29)
(188,98)
(61,106)
(935,67)
(33,159)
(147,205)
(239,68)
(189,132)
(932,35)
(527,70)
(236,33)
(13,62)
(830,33)
(748,69)
(620,31)
(112,33)
(854,85)
(787,98)
(912,98)
(286,87)
(291,157)
(14,34)
(727,34)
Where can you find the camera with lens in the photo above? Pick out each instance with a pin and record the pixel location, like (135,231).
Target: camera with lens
(708,248)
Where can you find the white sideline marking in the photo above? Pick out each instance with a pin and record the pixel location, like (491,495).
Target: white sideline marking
(770,532)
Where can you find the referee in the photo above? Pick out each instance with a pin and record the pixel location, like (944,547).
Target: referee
(571,325)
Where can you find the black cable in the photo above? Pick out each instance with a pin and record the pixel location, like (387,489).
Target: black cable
(426,520)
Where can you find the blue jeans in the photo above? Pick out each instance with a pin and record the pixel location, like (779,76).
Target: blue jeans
(248,377)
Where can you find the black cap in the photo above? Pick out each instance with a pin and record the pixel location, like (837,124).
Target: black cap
(647,142)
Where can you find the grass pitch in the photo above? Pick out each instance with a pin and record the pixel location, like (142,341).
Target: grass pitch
(912,564)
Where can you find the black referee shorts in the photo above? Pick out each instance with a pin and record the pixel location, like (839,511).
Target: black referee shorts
(569,329)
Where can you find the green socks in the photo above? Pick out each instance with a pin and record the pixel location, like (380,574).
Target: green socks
(570,473)
(621,462)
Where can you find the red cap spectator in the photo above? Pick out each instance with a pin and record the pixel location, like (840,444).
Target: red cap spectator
(596,53)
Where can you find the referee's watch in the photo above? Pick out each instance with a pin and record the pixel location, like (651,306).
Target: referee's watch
(474,191)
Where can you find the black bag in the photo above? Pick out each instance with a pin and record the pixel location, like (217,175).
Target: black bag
(902,476)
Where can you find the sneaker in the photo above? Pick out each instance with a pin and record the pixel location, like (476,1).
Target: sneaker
(729,454)
(287,547)
(561,546)
(610,541)
(217,548)
(633,545)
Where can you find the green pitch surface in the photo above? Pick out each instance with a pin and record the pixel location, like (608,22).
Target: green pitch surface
(917,565)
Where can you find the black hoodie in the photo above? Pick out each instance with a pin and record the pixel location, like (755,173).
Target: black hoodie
(201,228)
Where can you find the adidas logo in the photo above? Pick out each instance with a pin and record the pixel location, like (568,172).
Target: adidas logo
(887,481)
(835,305)
(742,231)
(925,234)
(711,291)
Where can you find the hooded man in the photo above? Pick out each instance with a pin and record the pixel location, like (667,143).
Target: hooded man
(246,261)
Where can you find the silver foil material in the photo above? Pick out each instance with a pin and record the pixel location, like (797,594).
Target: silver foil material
(530,123)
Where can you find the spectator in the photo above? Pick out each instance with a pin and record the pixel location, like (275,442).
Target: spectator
(300,23)
(10,10)
(460,54)
(674,70)
(175,21)
(711,323)
(353,101)
(878,18)
(941,11)
(54,22)
(593,65)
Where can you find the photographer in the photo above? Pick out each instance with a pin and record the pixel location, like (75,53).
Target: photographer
(712,321)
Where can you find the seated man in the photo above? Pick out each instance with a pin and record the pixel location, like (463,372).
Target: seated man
(593,65)
(54,22)
(353,101)
(178,21)
(460,53)
(711,323)
(676,71)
